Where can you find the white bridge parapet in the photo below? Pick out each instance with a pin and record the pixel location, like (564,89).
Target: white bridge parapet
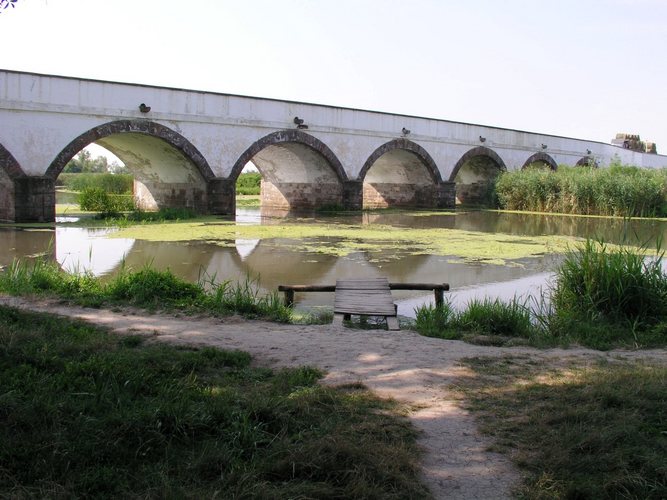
(188,147)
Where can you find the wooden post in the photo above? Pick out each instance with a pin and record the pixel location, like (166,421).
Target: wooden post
(289,298)
(439,297)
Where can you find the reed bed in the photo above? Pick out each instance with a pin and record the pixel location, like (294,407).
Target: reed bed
(615,191)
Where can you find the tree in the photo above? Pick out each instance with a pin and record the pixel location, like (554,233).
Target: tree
(84,162)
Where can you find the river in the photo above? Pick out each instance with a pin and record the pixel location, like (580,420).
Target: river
(286,260)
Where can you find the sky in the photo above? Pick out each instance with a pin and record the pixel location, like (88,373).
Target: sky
(577,68)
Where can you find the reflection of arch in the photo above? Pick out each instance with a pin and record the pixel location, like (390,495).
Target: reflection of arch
(286,136)
(541,158)
(474,153)
(9,164)
(145,127)
(406,145)
(587,161)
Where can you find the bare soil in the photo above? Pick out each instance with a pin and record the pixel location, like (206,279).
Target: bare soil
(416,371)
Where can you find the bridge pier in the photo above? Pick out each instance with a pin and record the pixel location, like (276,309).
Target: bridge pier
(34,199)
(445,194)
(353,195)
(221,196)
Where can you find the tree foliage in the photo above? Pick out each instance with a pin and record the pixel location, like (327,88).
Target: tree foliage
(83,162)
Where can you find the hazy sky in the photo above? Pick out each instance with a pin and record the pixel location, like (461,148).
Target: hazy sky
(579,68)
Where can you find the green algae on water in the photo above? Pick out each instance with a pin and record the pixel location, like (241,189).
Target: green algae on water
(344,239)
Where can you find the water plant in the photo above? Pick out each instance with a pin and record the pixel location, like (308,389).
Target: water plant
(618,191)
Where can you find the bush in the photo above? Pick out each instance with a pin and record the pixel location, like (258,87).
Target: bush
(110,183)
(98,200)
(249,183)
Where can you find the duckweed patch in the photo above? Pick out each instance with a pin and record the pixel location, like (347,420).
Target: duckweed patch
(343,239)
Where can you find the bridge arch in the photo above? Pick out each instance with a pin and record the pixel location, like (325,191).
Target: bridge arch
(541,158)
(169,170)
(299,172)
(400,173)
(10,170)
(475,173)
(587,161)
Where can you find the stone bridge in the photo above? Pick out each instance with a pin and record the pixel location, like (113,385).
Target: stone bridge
(186,148)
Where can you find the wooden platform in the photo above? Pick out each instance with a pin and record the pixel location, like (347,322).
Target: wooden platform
(365,297)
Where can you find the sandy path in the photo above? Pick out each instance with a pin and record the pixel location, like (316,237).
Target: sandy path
(403,365)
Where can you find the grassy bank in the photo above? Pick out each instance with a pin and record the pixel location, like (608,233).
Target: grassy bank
(617,190)
(89,414)
(576,432)
(147,288)
(603,297)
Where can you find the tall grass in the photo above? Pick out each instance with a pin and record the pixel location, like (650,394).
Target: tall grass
(147,288)
(109,183)
(492,318)
(610,294)
(86,414)
(617,191)
(603,296)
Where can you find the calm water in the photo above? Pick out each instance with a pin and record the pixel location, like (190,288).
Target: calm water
(80,248)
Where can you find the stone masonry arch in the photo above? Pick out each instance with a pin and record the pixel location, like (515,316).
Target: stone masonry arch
(543,158)
(299,172)
(169,171)
(475,173)
(10,176)
(400,173)
(407,145)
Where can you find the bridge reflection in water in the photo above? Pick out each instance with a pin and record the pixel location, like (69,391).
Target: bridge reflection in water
(281,261)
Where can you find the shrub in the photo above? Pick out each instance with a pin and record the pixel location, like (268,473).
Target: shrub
(98,200)
(110,183)
(248,183)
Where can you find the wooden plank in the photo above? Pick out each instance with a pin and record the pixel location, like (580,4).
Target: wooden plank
(371,297)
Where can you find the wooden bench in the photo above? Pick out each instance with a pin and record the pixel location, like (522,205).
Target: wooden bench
(364,297)
(439,290)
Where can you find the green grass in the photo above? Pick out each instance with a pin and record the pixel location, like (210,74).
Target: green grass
(87,414)
(480,321)
(617,190)
(147,288)
(596,432)
(248,201)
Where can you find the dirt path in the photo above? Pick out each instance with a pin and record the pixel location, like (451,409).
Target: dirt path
(403,365)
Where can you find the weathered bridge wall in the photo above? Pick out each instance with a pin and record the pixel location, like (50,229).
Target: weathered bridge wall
(187,148)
